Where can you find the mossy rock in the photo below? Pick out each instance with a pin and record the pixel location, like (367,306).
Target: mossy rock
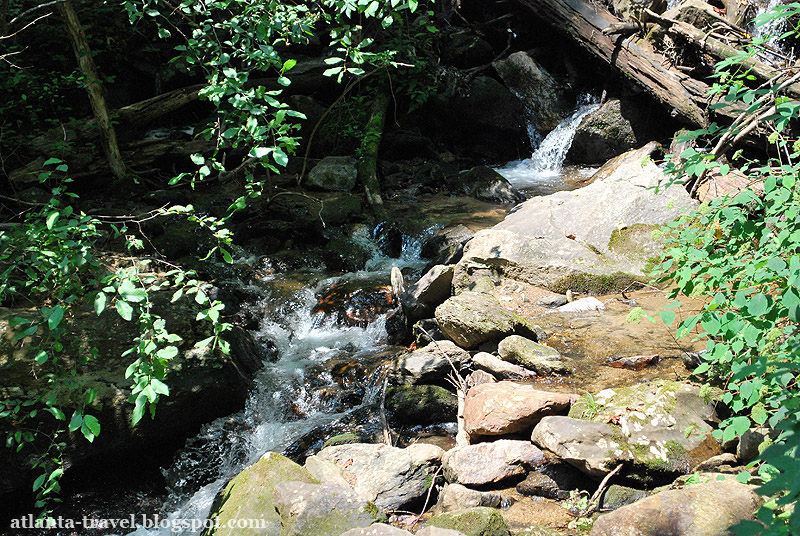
(249,495)
(585,283)
(538,531)
(421,404)
(343,439)
(480,521)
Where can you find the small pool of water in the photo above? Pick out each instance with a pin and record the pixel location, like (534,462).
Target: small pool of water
(524,176)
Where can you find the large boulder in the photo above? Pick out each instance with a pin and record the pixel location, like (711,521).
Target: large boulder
(486,463)
(548,239)
(615,127)
(542,95)
(651,428)
(321,509)
(472,318)
(430,363)
(390,477)
(421,298)
(490,363)
(486,184)
(447,245)
(506,407)
(708,509)
(249,495)
(479,521)
(531,355)
(334,173)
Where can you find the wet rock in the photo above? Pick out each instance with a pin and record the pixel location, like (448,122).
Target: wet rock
(633,362)
(343,439)
(321,509)
(472,318)
(334,173)
(507,407)
(480,521)
(421,298)
(583,305)
(531,355)
(543,96)
(457,497)
(499,368)
(692,360)
(554,300)
(378,529)
(532,244)
(650,428)
(426,331)
(421,404)
(345,255)
(397,330)
(390,477)
(615,127)
(553,480)
(708,509)
(250,493)
(485,463)
(484,183)
(430,364)
(617,496)
(355,303)
(447,245)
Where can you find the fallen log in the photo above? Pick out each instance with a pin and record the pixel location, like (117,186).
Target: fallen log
(585,22)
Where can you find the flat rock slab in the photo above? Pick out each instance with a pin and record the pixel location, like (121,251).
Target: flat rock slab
(481,521)
(390,477)
(708,509)
(472,318)
(499,368)
(321,509)
(430,290)
(378,529)
(457,497)
(485,463)
(507,407)
(583,305)
(436,531)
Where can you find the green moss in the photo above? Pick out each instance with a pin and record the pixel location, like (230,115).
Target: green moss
(627,241)
(372,510)
(596,283)
(421,404)
(480,521)
(342,439)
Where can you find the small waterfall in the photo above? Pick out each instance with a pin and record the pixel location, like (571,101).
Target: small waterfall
(293,395)
(548,159)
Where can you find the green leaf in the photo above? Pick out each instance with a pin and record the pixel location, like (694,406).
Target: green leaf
(75,422)
(168,352)
(205,342)
(288,64)
(39,481)
(55,317)
(132,293)
(280,157)
(667,316)
(159,387)
(198,159)
(51,161)
(41,357)
(51,219)
(18,321)
(226,256)
(100,302)
(260,152)
(91,427)
(124,309)
(758,305)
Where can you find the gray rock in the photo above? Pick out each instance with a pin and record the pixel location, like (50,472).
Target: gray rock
(436,531)
(749,444)
(388,476)
(378,529)
(472,318)
(724,462)
(425,331)
(583,305)
(480,521)
(321,509)
(708,509)
(499,368)
(532,243)
(429,364)
(617,496)
(648,427)
(334,173)
(479,377)
(325,471)
(447,245)
(615,127)
(456,497)
(543,96)
(421,298)
(554,300)
(484,183)
(538,531)
(553,480)
(485,463)
(532,355)
(507,408)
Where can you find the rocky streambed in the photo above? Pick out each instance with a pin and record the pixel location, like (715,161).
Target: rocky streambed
(569,415)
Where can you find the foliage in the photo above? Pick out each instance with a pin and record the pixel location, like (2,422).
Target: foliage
(742,255)
(52,260)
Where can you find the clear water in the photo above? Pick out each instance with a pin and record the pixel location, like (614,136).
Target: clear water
(291,396)
(543,172)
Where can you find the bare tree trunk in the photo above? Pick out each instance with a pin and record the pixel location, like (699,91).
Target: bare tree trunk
(4,17)
(108,136)
(368,161)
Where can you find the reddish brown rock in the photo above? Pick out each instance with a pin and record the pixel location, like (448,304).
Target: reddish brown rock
(506,407)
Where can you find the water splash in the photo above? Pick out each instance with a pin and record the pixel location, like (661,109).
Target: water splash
(547,161)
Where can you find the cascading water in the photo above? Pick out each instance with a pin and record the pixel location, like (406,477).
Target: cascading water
(293,395)
(540,173)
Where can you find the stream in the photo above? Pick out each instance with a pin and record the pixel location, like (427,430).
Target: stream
(303,388)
